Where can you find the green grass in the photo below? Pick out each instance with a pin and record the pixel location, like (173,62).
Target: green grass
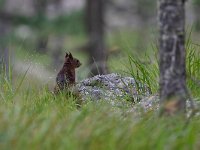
(33,118)
(31,56)
(38,120)
(193,72)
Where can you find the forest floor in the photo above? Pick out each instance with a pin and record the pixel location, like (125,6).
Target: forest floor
(35,71)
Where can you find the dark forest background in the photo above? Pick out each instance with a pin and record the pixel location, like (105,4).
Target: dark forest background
(35,34)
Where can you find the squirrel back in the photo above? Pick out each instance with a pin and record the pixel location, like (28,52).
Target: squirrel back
(66,76)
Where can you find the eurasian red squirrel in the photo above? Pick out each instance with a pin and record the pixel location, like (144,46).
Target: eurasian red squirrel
(66,76)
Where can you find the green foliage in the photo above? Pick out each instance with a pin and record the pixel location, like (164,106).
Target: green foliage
(40,26)
(196,2)
(2,2)
(71,24)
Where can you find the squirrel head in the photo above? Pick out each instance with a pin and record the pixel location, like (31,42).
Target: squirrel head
(73,62)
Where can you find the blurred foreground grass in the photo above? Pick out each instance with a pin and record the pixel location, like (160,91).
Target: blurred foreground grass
(32,119)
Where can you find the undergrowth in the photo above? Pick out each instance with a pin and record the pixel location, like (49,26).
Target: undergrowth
(36,119)
(146,70)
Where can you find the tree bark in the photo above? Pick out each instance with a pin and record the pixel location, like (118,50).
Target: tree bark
(172,55)
(95,11)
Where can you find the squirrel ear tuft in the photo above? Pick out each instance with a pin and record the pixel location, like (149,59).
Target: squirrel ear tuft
(66,55)
(70,56)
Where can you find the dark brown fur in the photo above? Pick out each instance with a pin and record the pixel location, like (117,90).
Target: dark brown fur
(66,76)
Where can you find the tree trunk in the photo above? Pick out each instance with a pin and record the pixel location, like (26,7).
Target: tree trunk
(95,10)
(172,56)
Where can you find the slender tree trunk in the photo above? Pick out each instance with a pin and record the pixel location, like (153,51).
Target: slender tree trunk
(95,11)
(172,55)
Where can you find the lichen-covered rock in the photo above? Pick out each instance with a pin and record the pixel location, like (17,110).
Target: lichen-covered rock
(117,90)
(111,87)
(152,103)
